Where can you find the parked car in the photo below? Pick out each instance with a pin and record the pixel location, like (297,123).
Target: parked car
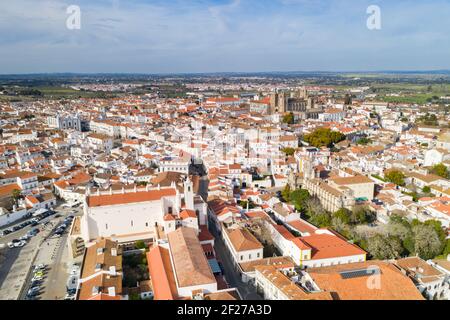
(20,244)
(36,278)
(39,273)
(33,291)
(71,291)
(35,283)
(39,267)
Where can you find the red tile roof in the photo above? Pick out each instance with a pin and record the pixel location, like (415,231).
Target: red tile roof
(131,197)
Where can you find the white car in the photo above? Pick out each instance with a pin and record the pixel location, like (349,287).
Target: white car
(10,245)
(37,278)
(20,244)
(39,267)
(69,297)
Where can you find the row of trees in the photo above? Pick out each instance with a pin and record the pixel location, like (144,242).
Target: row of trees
(312,210)
(400,239)
(403,238)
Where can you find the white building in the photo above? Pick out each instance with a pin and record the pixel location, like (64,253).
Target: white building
(136,214)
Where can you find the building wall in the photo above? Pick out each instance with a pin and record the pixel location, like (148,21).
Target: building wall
(333,261)
(11,217)
(125,219)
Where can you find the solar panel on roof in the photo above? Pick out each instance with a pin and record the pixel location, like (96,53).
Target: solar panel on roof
(214,266)
(359,273)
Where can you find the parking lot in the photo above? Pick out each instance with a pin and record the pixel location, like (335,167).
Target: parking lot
(44,248)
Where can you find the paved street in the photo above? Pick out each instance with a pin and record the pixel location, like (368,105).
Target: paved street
(56,257)
(231,274)
(15,272)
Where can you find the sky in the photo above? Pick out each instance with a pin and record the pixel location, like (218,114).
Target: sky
(184,36)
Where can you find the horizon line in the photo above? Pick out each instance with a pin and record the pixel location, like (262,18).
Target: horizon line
(412,71)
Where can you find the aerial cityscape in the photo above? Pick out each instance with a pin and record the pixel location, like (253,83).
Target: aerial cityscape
(216,182)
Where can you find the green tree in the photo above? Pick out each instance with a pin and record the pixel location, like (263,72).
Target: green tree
(396,177)
(134,296)
(399,228)
(16,194)
(321,220)
(426,189)
(286,193)
(316,213)
(288,151)
(140,244)
(440,170)
(447,248)
(361,215)
(437,226)
(426,242)
(289,118)
(324,137)
(343,215)
(364,141)
(299,198)
(383,248)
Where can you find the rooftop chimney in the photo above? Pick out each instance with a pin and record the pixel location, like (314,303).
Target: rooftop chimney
(112,291)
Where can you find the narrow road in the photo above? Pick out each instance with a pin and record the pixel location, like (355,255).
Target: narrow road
(232,275)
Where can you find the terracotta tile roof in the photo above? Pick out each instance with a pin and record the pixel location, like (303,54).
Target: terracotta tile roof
(102,282)
(243,240)
(278,262)
(204,234)
(8,189)
(419,269)
(325,246)
(161,273)
(222,296)
(393,284)
(189,261)
(105,259)
(351,180)
(302,226)
(185,214)
(130,197)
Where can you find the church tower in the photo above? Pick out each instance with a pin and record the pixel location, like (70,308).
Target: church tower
(189,194)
